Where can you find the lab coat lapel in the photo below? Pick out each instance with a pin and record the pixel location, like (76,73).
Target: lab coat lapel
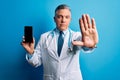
(52,46)
(64,52)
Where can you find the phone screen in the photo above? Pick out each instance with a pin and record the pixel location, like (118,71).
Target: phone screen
(28,33)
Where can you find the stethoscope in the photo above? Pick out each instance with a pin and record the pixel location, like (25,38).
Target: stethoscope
(70,46)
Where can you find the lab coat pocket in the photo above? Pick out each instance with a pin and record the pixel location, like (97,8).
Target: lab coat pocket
(48,77)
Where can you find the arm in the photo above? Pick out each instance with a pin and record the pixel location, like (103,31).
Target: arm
(89,32)
(33,56)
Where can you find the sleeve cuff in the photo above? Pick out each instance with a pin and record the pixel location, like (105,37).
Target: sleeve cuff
(87,49)
(29,56)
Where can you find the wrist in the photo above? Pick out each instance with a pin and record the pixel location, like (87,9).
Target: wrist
(31,52)
(95,46)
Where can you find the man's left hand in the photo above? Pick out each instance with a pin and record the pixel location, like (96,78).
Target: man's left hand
(89,32)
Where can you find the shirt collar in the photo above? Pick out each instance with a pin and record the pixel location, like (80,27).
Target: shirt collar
(64,32)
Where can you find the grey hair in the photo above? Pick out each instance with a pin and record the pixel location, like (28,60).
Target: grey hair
(62,6)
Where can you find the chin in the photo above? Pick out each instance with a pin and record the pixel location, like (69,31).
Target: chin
(62,28)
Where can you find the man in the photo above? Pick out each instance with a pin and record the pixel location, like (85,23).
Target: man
(58,50)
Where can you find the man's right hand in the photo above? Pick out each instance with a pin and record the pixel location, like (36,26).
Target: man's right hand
(29,47)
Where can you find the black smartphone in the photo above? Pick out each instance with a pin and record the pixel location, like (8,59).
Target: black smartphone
(28,34)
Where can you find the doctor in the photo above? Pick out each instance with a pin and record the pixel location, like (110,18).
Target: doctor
(58,50)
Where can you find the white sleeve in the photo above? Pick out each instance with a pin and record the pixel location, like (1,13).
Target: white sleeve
(87,50)
(35,58)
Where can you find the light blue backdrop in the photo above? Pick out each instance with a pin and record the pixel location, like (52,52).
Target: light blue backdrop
(102,64)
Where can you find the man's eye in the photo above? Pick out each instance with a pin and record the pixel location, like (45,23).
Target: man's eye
(67,17)
(58,16)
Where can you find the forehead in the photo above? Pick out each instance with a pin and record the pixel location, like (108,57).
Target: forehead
(63,12)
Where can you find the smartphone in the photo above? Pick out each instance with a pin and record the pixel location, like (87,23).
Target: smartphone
(28,34)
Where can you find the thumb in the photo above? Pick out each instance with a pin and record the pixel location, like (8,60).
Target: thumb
(77,43)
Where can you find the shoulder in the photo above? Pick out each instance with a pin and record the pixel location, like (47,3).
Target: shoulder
(76,35)
(46,34)
(43,36)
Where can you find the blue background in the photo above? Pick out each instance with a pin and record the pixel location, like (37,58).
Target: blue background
(102,64)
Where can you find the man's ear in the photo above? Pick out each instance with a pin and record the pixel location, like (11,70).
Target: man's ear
(54,19)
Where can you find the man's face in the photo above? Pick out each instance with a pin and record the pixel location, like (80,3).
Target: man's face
(62,19)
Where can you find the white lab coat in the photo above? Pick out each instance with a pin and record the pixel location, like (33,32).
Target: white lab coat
(65,67)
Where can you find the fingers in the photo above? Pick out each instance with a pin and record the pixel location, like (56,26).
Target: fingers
(77,43)
(27,43)
(88,21)
(85,23)
(23,39)
(81,25)
(93,23)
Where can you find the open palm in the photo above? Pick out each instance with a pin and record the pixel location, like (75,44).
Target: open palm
(89,32)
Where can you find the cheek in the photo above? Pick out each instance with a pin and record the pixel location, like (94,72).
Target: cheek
(58,22)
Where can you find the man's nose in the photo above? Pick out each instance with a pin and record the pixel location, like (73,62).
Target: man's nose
(63,19)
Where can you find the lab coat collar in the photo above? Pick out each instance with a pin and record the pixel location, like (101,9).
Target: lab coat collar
(53,48)
(64,32)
